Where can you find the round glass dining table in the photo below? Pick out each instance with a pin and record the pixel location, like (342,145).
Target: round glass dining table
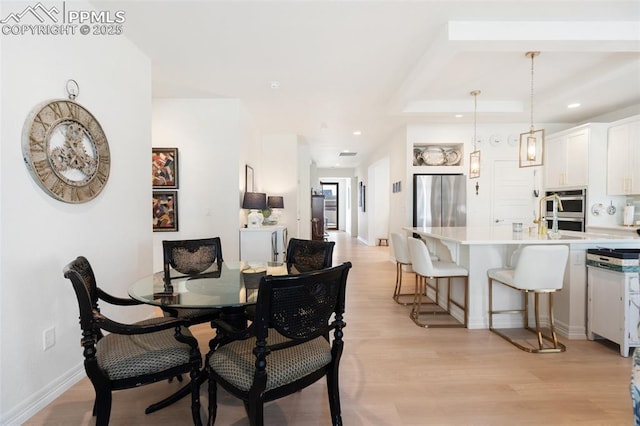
(222,285)
(228,286)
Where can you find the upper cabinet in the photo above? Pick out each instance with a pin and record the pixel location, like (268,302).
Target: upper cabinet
(566,159)
(623,158)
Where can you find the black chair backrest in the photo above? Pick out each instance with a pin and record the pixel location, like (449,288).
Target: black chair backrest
(191,257)
(80,273)
(300,306)
(309,255)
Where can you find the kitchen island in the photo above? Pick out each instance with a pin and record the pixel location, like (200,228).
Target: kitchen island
(481,248)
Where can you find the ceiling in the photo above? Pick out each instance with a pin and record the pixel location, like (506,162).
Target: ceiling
(376,66)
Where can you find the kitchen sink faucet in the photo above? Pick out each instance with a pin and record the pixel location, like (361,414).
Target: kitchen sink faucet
(541,221)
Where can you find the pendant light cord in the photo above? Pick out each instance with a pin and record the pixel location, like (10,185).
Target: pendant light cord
(533,55)
(475,113)
(475,94)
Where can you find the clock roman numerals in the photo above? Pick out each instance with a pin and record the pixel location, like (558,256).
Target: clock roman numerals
(43,168)
(101,176)
(57,110)
(74,110)
(41,121)
(36,145)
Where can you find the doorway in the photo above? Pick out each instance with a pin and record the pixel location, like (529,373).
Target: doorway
(331,204)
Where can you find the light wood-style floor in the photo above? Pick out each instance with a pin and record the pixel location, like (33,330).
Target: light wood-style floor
(395,373)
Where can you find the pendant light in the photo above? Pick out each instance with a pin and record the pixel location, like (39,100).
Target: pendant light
(532,142)
(474,157)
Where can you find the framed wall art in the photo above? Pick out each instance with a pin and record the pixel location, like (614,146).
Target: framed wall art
(164,168)
(165,211)
(248,179)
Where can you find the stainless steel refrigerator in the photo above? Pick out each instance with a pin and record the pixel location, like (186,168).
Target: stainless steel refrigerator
(439,200)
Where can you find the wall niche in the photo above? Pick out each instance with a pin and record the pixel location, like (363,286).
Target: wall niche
(438,154)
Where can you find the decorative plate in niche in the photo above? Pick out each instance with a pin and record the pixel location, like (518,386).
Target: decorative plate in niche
(417,157)
(437,155)
(513,140)
(496,140)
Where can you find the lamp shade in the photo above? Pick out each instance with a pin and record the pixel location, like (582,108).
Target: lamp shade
(254,200)
(275,202)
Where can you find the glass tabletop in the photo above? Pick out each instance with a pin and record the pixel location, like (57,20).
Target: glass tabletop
(222,285)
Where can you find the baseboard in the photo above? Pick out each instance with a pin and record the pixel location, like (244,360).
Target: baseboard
(571,333)
(43,397)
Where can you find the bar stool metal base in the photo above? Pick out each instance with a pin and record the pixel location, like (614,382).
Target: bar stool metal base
(438,313)
(397,292)
(537,331)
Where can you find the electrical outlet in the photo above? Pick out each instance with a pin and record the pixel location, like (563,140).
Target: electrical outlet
(48,338)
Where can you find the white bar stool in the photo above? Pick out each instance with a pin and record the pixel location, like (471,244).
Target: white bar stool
(425,269)
(539,269)
(400,252)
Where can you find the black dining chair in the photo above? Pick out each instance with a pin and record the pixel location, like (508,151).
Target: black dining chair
(131,355)
(288,346)
(303,256)
(308,255)
(191,258)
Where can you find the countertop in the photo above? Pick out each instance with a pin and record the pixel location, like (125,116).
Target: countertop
(617,229)
(505,235)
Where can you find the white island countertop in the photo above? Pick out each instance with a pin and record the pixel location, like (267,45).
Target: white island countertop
(468,235)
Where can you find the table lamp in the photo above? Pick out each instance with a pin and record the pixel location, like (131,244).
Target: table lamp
(255,202)
(275,202)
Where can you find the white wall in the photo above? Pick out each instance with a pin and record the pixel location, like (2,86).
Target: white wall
(210,135)
(400,202)
(279,176)
(40,235)
(303,215)
(378,200)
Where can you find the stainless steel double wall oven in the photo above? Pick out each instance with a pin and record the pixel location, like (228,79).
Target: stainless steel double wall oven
(573,214)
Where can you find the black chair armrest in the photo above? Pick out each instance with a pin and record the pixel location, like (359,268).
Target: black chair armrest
(121,328)
(103,295)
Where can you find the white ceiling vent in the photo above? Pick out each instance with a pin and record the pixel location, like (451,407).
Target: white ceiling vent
(348,154)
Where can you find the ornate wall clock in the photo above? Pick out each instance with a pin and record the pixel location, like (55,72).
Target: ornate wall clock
(66,150)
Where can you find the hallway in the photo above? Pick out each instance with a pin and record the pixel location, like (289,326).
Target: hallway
(395,373)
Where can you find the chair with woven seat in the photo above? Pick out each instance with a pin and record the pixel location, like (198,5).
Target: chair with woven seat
(308,255)
(288,347)
(131,354)
(191,258)
(539,270)
(426,269)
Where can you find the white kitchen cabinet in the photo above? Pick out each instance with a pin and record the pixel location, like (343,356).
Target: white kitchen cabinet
(613,307)
(566,161)
(623,159)
(263,244)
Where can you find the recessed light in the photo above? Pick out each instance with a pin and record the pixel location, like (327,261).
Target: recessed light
(459,115)
(357,133)
(573,105)
(274,84)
